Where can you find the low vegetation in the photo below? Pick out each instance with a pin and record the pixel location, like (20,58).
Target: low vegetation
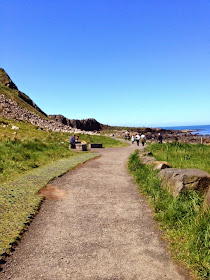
(183,155)
(185,223)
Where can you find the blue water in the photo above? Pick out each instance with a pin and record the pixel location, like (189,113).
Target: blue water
(200,129)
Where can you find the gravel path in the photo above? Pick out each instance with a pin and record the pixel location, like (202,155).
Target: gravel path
(101,229)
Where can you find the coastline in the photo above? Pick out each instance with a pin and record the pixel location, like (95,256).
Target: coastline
(200,130)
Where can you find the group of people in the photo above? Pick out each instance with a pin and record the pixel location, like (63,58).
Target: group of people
(138,138)
(142,138)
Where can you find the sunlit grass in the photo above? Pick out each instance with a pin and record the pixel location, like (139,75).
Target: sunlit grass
(183,155)
(185,222)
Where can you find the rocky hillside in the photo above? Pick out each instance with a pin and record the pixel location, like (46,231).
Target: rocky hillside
(6,81)
(17,105)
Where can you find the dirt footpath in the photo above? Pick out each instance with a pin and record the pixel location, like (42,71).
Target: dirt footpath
(100,228)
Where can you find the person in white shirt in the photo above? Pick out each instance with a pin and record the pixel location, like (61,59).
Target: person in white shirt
(137,139)
(132,139)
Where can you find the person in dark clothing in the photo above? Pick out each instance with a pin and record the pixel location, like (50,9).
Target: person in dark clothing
(72,142)
(160,138)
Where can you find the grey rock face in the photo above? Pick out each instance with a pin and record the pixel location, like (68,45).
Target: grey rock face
(87,124)
(179,180)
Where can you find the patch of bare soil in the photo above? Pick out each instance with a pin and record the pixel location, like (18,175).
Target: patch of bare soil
(52,192)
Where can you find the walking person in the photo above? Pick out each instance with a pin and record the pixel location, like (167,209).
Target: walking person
(132,139)
(143,139)
(137,139)
(160,138)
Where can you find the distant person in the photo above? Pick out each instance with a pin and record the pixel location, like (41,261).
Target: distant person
(137,139)
(132,139)
(126,135)
(72,142)
(143,139)
(160,138)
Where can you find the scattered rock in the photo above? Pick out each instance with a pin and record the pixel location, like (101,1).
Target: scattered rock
(15,127)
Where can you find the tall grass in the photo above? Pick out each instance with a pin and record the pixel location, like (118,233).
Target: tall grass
(183,155)
(185,223)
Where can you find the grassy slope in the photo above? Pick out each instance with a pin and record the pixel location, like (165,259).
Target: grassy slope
(185,223)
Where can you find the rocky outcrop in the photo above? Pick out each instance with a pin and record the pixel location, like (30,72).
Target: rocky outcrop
(86,124)
(179,180)
(6,81)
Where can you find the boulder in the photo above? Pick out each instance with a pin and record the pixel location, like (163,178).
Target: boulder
(142,154)
(206,203)
(147,160)
(179,180)
(159,165)
(81,147)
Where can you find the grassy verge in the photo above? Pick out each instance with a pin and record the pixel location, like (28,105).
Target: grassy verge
(19,199)
(185,223)
(183,155)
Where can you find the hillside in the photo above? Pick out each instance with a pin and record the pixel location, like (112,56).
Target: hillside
(15,104)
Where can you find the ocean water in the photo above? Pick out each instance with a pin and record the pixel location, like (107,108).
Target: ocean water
(199,129)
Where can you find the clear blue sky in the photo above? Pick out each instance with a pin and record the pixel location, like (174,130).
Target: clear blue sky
(122,62)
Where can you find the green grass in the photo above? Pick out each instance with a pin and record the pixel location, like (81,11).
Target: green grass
(185,223)
(183,155)
(31,147)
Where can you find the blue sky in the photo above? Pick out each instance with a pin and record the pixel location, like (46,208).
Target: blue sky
(122,62)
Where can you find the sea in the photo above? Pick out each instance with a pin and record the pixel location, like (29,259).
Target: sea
(197,129)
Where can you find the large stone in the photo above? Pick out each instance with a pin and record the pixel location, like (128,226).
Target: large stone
(81,147)
(206,203)
(159,165)
(143,154)
(147,160)
(179,180)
